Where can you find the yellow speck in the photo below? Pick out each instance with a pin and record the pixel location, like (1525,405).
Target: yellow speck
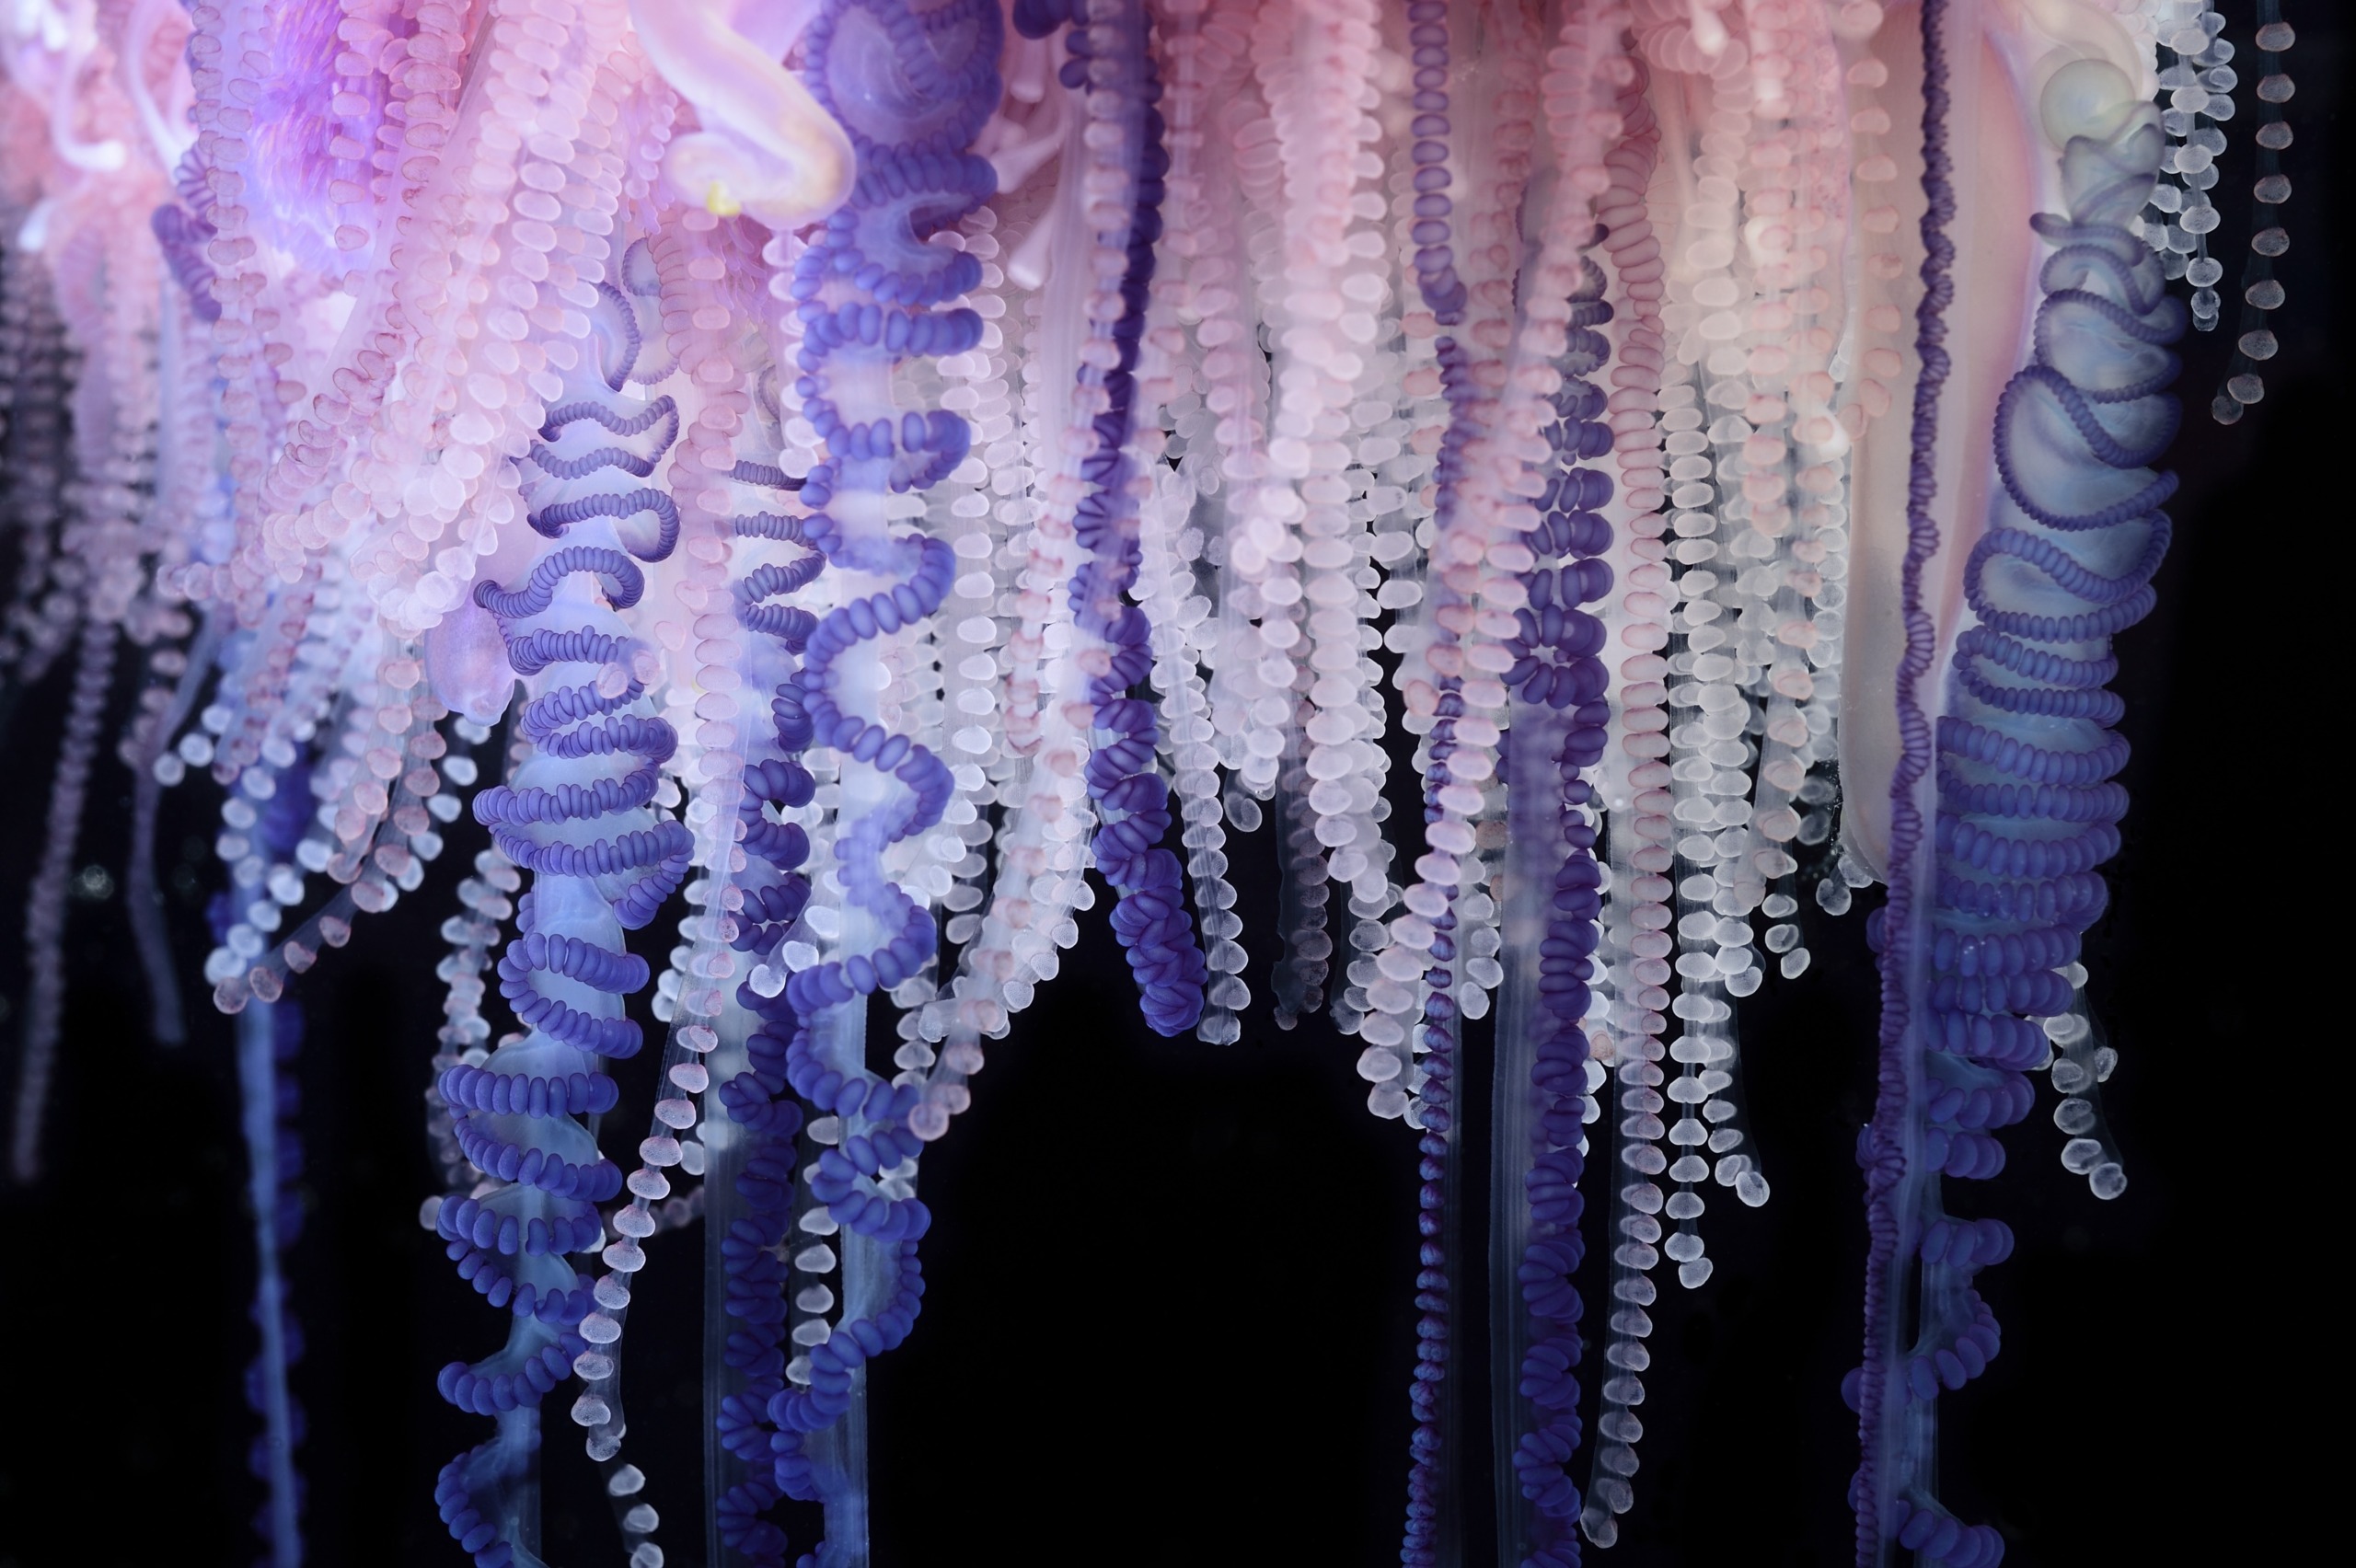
(721,203)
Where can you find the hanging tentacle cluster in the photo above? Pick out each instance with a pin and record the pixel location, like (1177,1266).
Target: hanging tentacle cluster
(917,453)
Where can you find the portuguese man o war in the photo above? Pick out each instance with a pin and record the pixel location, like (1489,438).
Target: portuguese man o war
(845,487)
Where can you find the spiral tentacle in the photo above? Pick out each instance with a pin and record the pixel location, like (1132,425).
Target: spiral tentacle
(602,862)
(2026,808)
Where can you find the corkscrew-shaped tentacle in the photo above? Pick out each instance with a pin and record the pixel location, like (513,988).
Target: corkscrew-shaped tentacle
(2026,808)
(577,817)
(924,778)
(911,88)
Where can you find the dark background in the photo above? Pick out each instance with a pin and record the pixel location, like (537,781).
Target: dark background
(1168,1317)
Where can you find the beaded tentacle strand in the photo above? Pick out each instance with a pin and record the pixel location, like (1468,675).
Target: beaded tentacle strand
(865,291)
(2196,83)
(752,1177)
(1451,678)
(164,708)
(373,830)
(92,469)
(1544,1090)
(487,900)
(912,89)
(1123,95)
(1635,946)
(1054,666)
(39,619)
(2261,292)
(1431,934)
(269,1037)
(1880,1406)
(1317,293)
(761,891)
(182,644)
(1187,266)
(1213,427)
(686,284)
(577,817)
(44,917)
(1755,477)
(1547,425)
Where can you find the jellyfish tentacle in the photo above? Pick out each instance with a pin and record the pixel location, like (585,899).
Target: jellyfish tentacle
(84,432)
(38,620)
(699,271)
(1634,949)
(1879,1482)
(461,1039)
(1306,63)
(1149,916)
(2025,812)
(911,90)
(2192,85)
(1428,33)
(45,906)
(751,890)
(759,1204)
(145,748)
(269,1037)
(1755,469)
(1488,535)
(1431,924)
(1052,693)
(2261,293)
(908,185)
(577,817)
(1555,898)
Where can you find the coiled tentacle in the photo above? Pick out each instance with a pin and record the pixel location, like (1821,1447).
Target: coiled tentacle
(577,817)
(2026,808)
(912,88)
